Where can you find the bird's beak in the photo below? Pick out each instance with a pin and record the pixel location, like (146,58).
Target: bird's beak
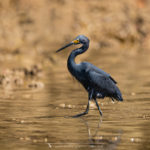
(73,42)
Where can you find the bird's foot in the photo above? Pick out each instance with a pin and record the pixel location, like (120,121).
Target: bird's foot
(79,115)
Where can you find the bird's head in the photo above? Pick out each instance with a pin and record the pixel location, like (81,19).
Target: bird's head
(80,39)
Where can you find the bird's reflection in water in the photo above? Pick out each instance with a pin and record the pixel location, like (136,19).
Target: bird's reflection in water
(98,141)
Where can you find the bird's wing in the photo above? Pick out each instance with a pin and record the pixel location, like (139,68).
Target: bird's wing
(101,82)
(113,79)
(90,66)
(99,71)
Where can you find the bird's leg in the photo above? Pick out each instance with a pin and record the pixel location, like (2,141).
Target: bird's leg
(84,113)
(87,108)
(112,99)
(98,107)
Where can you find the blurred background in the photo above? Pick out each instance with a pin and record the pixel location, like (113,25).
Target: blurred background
(36,90)
(33,30)
(45,24)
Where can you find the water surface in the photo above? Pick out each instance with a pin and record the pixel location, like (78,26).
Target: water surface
(35,118)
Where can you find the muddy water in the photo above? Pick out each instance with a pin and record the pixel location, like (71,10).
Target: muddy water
(35,119)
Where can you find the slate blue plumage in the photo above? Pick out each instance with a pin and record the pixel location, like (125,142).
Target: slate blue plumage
(97,83)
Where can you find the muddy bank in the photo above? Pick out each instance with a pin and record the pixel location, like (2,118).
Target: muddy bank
(17,77)
(41,25)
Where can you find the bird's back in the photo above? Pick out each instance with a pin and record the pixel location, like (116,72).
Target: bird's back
(90,67)
(100,81)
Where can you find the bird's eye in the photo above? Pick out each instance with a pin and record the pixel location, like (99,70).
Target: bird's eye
(76,41)
(83,41)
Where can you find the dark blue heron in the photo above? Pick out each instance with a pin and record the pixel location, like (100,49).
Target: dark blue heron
(97,83)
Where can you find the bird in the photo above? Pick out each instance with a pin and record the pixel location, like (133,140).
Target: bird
(96,82)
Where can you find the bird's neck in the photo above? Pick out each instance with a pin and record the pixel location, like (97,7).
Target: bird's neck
(72,66)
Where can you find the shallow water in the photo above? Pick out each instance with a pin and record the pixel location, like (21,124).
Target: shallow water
(35,119)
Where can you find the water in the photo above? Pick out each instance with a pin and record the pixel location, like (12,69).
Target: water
(34,119)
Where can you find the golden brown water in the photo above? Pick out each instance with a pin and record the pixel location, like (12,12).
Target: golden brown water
(35,119)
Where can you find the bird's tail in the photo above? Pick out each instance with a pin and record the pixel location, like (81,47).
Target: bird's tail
(119,98)
(118,95)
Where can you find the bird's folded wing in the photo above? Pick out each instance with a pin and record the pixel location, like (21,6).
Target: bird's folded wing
(101,82)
